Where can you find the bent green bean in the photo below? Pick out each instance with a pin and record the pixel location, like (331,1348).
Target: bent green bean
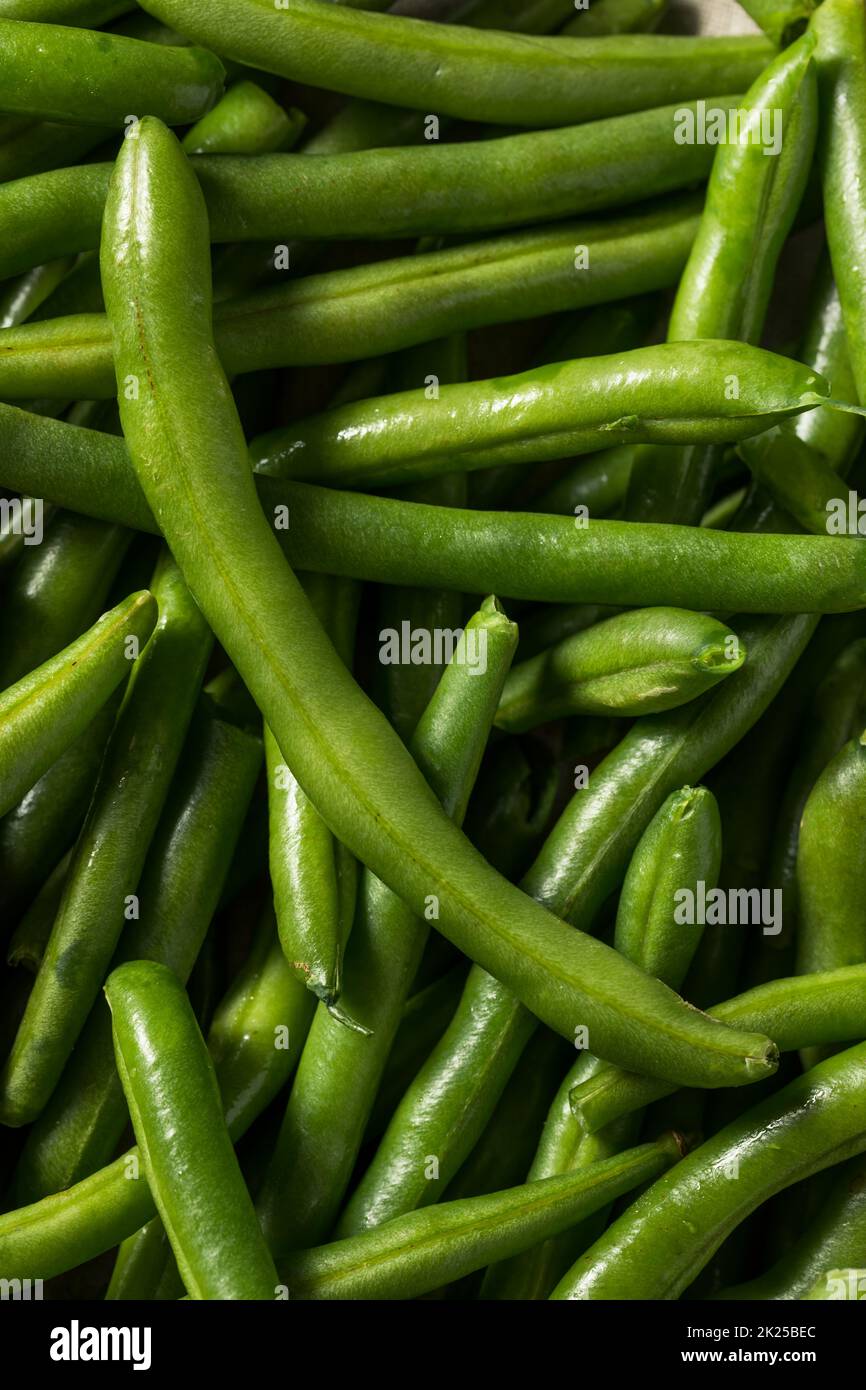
(804,1011)
(364,311)
(413,1254)
(188,1157)
(184,431)
(480,75)
(643,662)
(43,713)
(64,74)
(670,1233)
(711,391)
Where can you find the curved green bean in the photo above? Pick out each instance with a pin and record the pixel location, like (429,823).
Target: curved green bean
(670,1233)
(174,1101)
(804,1011)
(184,431)
(425,1249)
(836,1236)
(480,75)
(246,121)
(711,391)
(43,713)
(642,662)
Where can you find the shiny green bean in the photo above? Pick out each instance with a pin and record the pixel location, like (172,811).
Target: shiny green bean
(425,1249)
(660,1245)
(174,1101)
(642,662)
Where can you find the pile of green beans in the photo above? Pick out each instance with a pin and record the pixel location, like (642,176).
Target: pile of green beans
(432,651)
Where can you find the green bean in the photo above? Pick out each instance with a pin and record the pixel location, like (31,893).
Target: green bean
(829,854)
(511,806)
(598,482)
(100,893)
(643,662)
(804,1011)
(680,848)
(372,795)
(259,1029)
(140,1264)
(42,827)
(191,1168)
(465,72)
(314,877)
(615,17)
(29,939)
(97,78)
(837,711)
(23,296)
(712,392)
(752,200)
(426,1014)
(779,19)
(87,13)
(425,1249)
(839,1284)
(510,16)
(380,193)
(245,121)
(621,564)
(840,29)
(670,1233)
(81,1126)
(836,1236)
(339,1072)
(44,712)
(801,463)
(346,314)
(56,592)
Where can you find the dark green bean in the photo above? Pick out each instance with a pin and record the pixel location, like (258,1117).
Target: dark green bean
(831,929)
(187,1154)
(670,1233)
(100,893)
(598,482)
(56,592)
(836,1237)
(602,17)
(29,939)
(81,1126)
(366,310)
(43,713)
(477,74)
(44,824)
(779,19)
